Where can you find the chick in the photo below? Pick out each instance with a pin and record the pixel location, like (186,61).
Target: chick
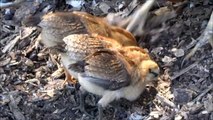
(78,46)
(113,75)
(56,26)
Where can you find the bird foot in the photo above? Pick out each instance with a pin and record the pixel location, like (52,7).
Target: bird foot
(82,107)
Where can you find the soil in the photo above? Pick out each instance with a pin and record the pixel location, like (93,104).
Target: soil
(31,81)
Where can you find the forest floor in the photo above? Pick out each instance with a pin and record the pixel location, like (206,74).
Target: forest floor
(31,81)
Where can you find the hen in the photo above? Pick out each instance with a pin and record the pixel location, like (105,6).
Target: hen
(81,49)
(114,75)
(56,26)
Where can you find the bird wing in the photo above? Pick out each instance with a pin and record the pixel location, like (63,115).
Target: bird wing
(75,23)
(78,46)
(104,68)
(56,26)
(66,22)
(94,24)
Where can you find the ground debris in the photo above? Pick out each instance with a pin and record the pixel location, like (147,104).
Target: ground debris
(14,108)
(11,44)
(31,81)
(5,62)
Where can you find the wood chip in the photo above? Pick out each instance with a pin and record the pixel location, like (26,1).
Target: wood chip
(5,62)
(165,101)
(11,44)
(15,109)
(184,70)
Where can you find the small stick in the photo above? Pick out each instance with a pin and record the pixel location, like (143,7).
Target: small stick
(184,70)
(166,101)
(11,44)
(203,93)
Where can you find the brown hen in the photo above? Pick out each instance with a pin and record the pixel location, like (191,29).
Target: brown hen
(56,26)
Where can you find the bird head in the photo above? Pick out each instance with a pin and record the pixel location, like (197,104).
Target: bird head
(149,70)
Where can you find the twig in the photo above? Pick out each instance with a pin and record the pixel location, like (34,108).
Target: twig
(165,100)
(11,44)
(32,80)
(3,41)
(203,93)
(184,70)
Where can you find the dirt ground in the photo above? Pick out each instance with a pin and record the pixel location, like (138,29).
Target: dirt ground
(31,81)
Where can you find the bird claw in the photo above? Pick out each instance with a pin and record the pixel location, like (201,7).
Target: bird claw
(82,107)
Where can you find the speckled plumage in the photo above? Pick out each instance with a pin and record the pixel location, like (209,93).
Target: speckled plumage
(56,26)
(105,68)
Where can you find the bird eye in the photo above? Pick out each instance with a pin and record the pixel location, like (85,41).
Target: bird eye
(153,72)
